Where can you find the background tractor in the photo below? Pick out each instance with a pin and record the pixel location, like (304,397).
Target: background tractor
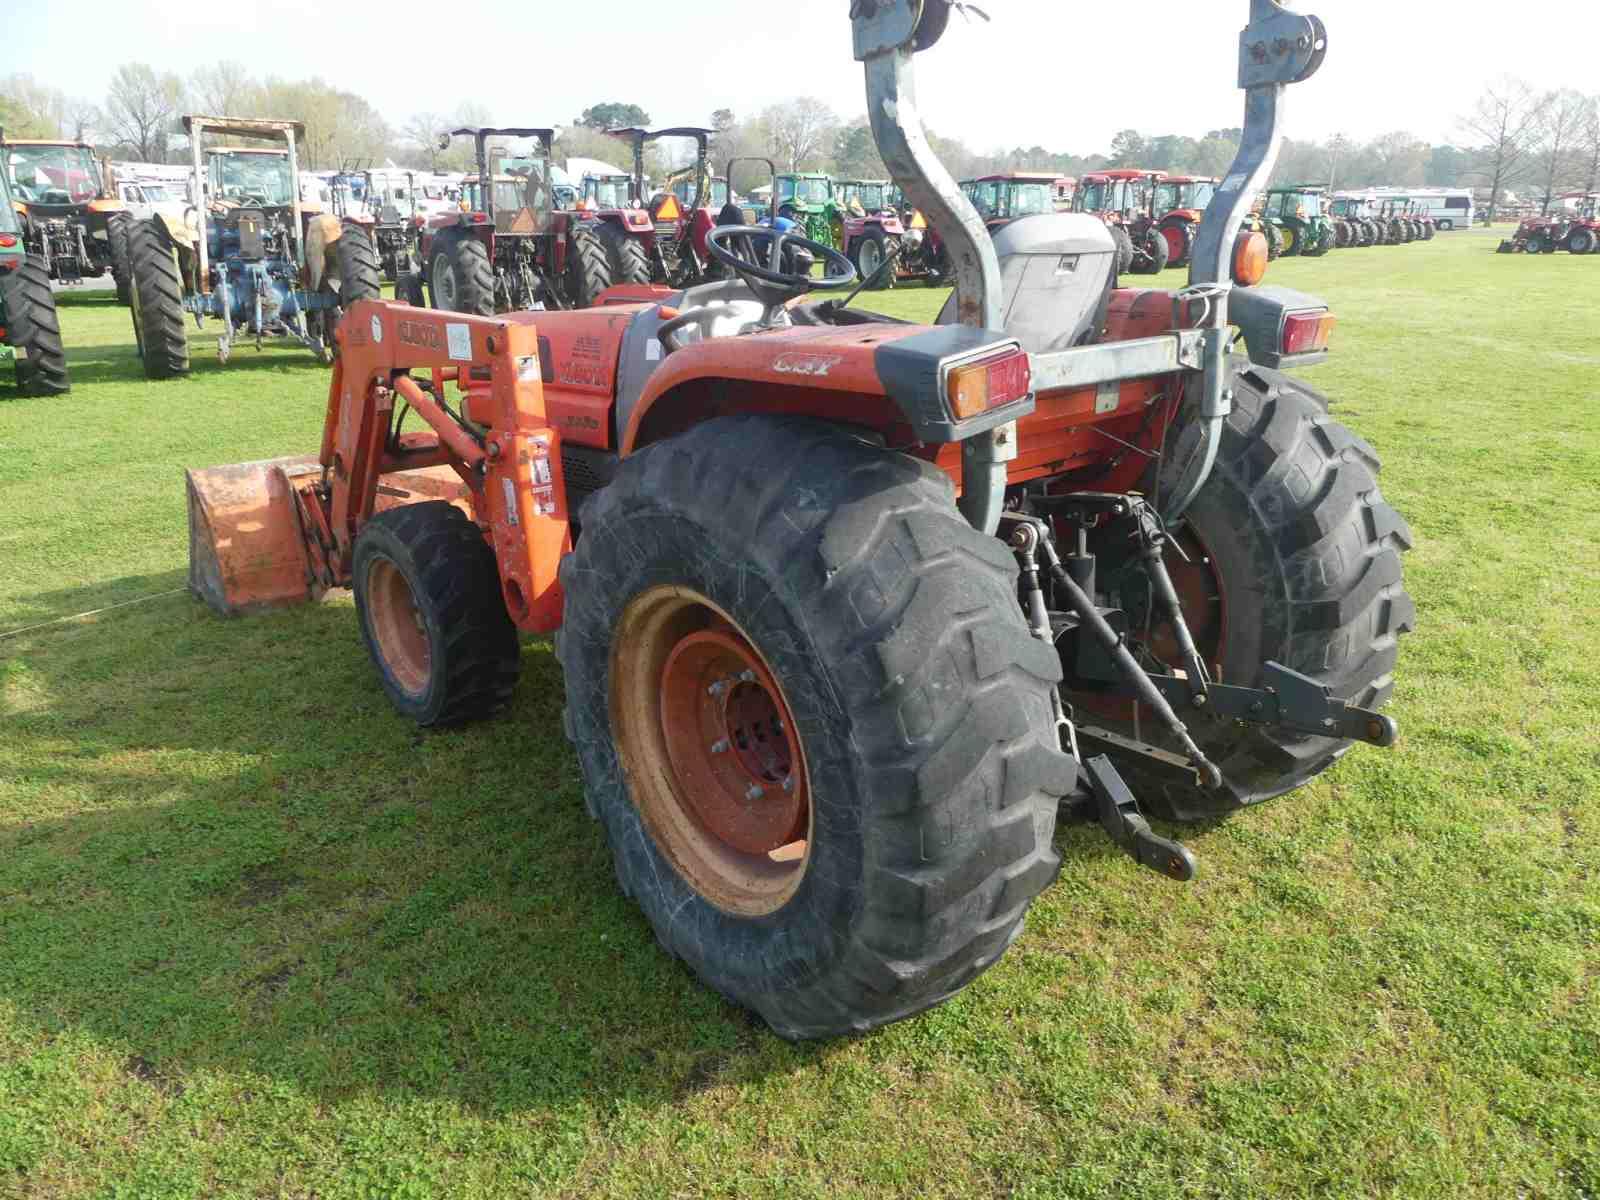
(614,208)
(256,263)
(509,248)
(65,198)
(807,199)
(827,712)
(1356,212)
(389,199)
(671,232)
(1122,199)
(873,231)
(1178,204)
(30,334)
(1303,226)
(1574,227)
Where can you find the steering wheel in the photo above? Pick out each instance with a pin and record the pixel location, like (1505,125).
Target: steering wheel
(770,284)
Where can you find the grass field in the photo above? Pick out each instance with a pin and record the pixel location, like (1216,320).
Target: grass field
(259,937)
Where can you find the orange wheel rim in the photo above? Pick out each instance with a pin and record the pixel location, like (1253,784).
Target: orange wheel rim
(398,627)
(708,744)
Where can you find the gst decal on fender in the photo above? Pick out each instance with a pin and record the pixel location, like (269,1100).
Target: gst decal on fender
(805,364)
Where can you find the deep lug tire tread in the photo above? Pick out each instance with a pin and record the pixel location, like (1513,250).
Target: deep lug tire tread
(158,311)
(117,241)
(456,583)
(33,325)
(892,601)
(588,268)
(1326,556)
(360,277)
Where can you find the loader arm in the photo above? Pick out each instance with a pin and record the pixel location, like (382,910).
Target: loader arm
(283,531)
(498,441)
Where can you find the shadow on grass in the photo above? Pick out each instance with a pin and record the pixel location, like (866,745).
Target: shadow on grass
(230,855)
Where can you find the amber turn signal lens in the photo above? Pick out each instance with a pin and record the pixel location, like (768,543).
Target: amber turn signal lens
(1249,259)
(989,383)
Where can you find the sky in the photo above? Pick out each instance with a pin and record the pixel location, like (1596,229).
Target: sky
(1057,73)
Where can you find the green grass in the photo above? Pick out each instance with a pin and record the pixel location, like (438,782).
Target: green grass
(259,937)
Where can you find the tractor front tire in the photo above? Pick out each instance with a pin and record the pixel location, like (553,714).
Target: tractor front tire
(1152,257)
(1180,242)
(1298,563)
(427,593)
(117,241)
(626,259)
(588,269)
(359,275)
(1534,244)
(460,277)
(33,328)
(157,296)
(811,720)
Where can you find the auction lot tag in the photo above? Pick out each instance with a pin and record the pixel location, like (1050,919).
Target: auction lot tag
(459,340)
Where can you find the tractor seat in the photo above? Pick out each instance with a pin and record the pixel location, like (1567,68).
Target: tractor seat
(1056,275)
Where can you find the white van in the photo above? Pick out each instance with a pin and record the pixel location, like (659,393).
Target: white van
(1450,208)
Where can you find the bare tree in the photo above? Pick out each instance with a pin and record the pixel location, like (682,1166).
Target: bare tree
(1589,146)
(224,90)
(1503,124)
(422,131)
(80,120)
(800,131)
(140,108)
(1560,134)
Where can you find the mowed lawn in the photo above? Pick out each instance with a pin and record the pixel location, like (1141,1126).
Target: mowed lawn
(260,937)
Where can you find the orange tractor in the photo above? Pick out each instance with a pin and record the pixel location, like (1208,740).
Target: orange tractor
(850,608)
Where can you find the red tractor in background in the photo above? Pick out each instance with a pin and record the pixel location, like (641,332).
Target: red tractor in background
(676,239)
(873,231)
(1124,200)
(1574,227)
(1178,202)
(612,207)
(509,248)
(850,609)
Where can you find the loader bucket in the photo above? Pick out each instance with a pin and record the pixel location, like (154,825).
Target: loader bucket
(246,547)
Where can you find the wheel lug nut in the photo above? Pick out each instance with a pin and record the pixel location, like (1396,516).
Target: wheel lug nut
(720,746)
(755,792)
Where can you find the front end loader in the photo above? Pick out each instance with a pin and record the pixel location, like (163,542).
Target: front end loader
(849,609)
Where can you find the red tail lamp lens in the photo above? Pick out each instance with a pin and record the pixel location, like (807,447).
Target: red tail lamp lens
(8,240)
(1306,333)
(993,382)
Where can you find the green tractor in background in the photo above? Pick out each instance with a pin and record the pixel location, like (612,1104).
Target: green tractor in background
(30,334)
(1300,214)
(807,198)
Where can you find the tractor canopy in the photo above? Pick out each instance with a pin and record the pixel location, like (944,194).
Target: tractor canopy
(1184,192)
(53,173)
(810,193)
(249,176)
(1004,197)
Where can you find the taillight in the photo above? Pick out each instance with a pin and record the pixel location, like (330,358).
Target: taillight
(1306,332)
(8,240)
(989,383)
(480,218)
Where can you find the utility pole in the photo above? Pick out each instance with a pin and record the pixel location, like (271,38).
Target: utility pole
(1337,145)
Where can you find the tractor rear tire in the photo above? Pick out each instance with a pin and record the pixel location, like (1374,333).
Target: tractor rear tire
(359,275)
(157,296)
(33,327)
(870,252)
(1180,242)
(1321,245)
(1274,242)
(1305,553)
(117,242)
(920,771)
(460,277)
(427,593)
(1152,259)
(588,269)
(626,259)
(1581,241)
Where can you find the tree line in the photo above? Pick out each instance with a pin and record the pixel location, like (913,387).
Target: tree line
(1515,137)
